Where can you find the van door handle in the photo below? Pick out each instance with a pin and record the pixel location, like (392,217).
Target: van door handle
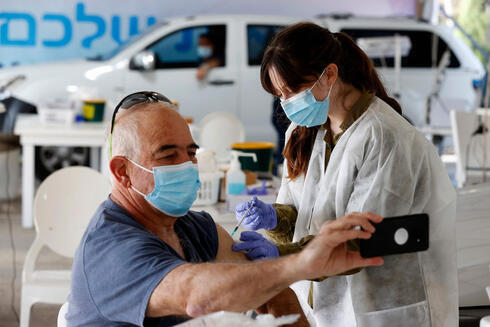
(220,82)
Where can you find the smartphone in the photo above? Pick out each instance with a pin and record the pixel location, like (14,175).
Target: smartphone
(396,235)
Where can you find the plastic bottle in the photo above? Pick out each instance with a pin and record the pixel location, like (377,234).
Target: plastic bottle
(235,177)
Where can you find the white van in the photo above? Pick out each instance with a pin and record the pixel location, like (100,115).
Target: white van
(459,81)
(235,86)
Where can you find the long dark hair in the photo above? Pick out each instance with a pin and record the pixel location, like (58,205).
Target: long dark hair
(299,54)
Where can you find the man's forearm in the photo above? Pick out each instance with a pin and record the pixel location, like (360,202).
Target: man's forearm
(235,287)
(197,289)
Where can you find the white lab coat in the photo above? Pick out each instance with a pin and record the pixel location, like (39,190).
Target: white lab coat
(384,165)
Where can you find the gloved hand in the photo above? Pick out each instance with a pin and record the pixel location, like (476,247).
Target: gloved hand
(257,246)
(262,215)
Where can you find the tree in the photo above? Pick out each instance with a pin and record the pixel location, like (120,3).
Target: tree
(473,20)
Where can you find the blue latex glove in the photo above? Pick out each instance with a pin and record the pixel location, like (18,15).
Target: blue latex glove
(262,215)
(257,246)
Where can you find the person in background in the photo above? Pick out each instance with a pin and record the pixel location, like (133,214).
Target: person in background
(349,150)
(207,50)
(145,259)
(281,123)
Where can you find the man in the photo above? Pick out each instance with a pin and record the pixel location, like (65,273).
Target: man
(146,260)
(209,56)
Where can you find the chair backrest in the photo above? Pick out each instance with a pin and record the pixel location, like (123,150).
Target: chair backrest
(64,205)
(217,131)
(61,315)
(473,243)
(473,225)
(468,149)
(488,287)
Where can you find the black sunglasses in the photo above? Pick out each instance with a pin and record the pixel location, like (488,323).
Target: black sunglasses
(132,100)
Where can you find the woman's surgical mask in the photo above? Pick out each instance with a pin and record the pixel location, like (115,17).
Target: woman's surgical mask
(204,51)
(175,188)
(304,110)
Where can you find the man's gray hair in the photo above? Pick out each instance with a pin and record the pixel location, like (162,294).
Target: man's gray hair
(125,135)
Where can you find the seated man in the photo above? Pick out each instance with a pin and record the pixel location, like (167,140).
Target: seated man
(146,260)
(209,56)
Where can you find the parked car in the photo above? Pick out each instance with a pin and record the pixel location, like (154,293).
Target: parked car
(164,58)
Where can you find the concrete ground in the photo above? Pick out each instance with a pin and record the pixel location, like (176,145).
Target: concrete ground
(42,315)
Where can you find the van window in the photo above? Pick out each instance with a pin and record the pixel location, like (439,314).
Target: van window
(420,55)
(179,49)
(258,37)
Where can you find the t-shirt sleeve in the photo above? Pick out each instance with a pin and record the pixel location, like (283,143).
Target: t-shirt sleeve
(202,232)
(122,267)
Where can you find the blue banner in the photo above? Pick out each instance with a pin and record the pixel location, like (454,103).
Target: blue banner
(35,31)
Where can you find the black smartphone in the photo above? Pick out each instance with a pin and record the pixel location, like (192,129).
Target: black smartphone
(395,235)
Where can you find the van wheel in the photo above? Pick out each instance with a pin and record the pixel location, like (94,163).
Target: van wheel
(51,158)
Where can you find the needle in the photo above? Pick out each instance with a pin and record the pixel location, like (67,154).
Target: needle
(252,202)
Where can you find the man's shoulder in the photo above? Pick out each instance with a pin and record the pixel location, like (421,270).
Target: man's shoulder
(109,215)
(199,220)
(110,225)
(200,217)
(201,227)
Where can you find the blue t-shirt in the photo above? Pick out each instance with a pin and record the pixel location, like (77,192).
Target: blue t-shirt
(119,263)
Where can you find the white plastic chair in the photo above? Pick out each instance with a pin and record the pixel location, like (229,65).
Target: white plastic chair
(61,315)
(473,243)
(63,207)
(218,131)
(469,163)
(485,321)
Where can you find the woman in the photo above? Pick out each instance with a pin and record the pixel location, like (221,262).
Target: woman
(349,149)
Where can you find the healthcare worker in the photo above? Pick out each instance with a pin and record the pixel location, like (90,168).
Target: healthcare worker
(349,149)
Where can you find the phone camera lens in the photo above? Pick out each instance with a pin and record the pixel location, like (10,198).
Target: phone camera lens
(401,236)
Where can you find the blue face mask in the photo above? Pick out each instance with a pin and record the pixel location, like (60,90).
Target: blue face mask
(204,51)
(175,189)
(304,110)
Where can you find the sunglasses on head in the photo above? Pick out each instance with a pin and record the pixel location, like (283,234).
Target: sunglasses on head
(132,100)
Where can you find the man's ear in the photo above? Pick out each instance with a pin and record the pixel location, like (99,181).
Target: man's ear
(119,169)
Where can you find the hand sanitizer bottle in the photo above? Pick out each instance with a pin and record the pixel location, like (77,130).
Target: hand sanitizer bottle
(235,177)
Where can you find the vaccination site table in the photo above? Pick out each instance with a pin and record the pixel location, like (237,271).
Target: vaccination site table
(34,133)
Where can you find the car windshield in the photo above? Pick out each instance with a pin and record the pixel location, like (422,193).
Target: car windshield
(110,54)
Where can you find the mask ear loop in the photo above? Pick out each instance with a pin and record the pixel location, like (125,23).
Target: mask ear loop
(323,72)
(145,169)
(140,166)
(330,91)
(331,86)
(137,191)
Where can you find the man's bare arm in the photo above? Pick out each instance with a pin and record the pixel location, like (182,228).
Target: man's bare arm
(229,268)
(283,303)
(225,253)
(197,289)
